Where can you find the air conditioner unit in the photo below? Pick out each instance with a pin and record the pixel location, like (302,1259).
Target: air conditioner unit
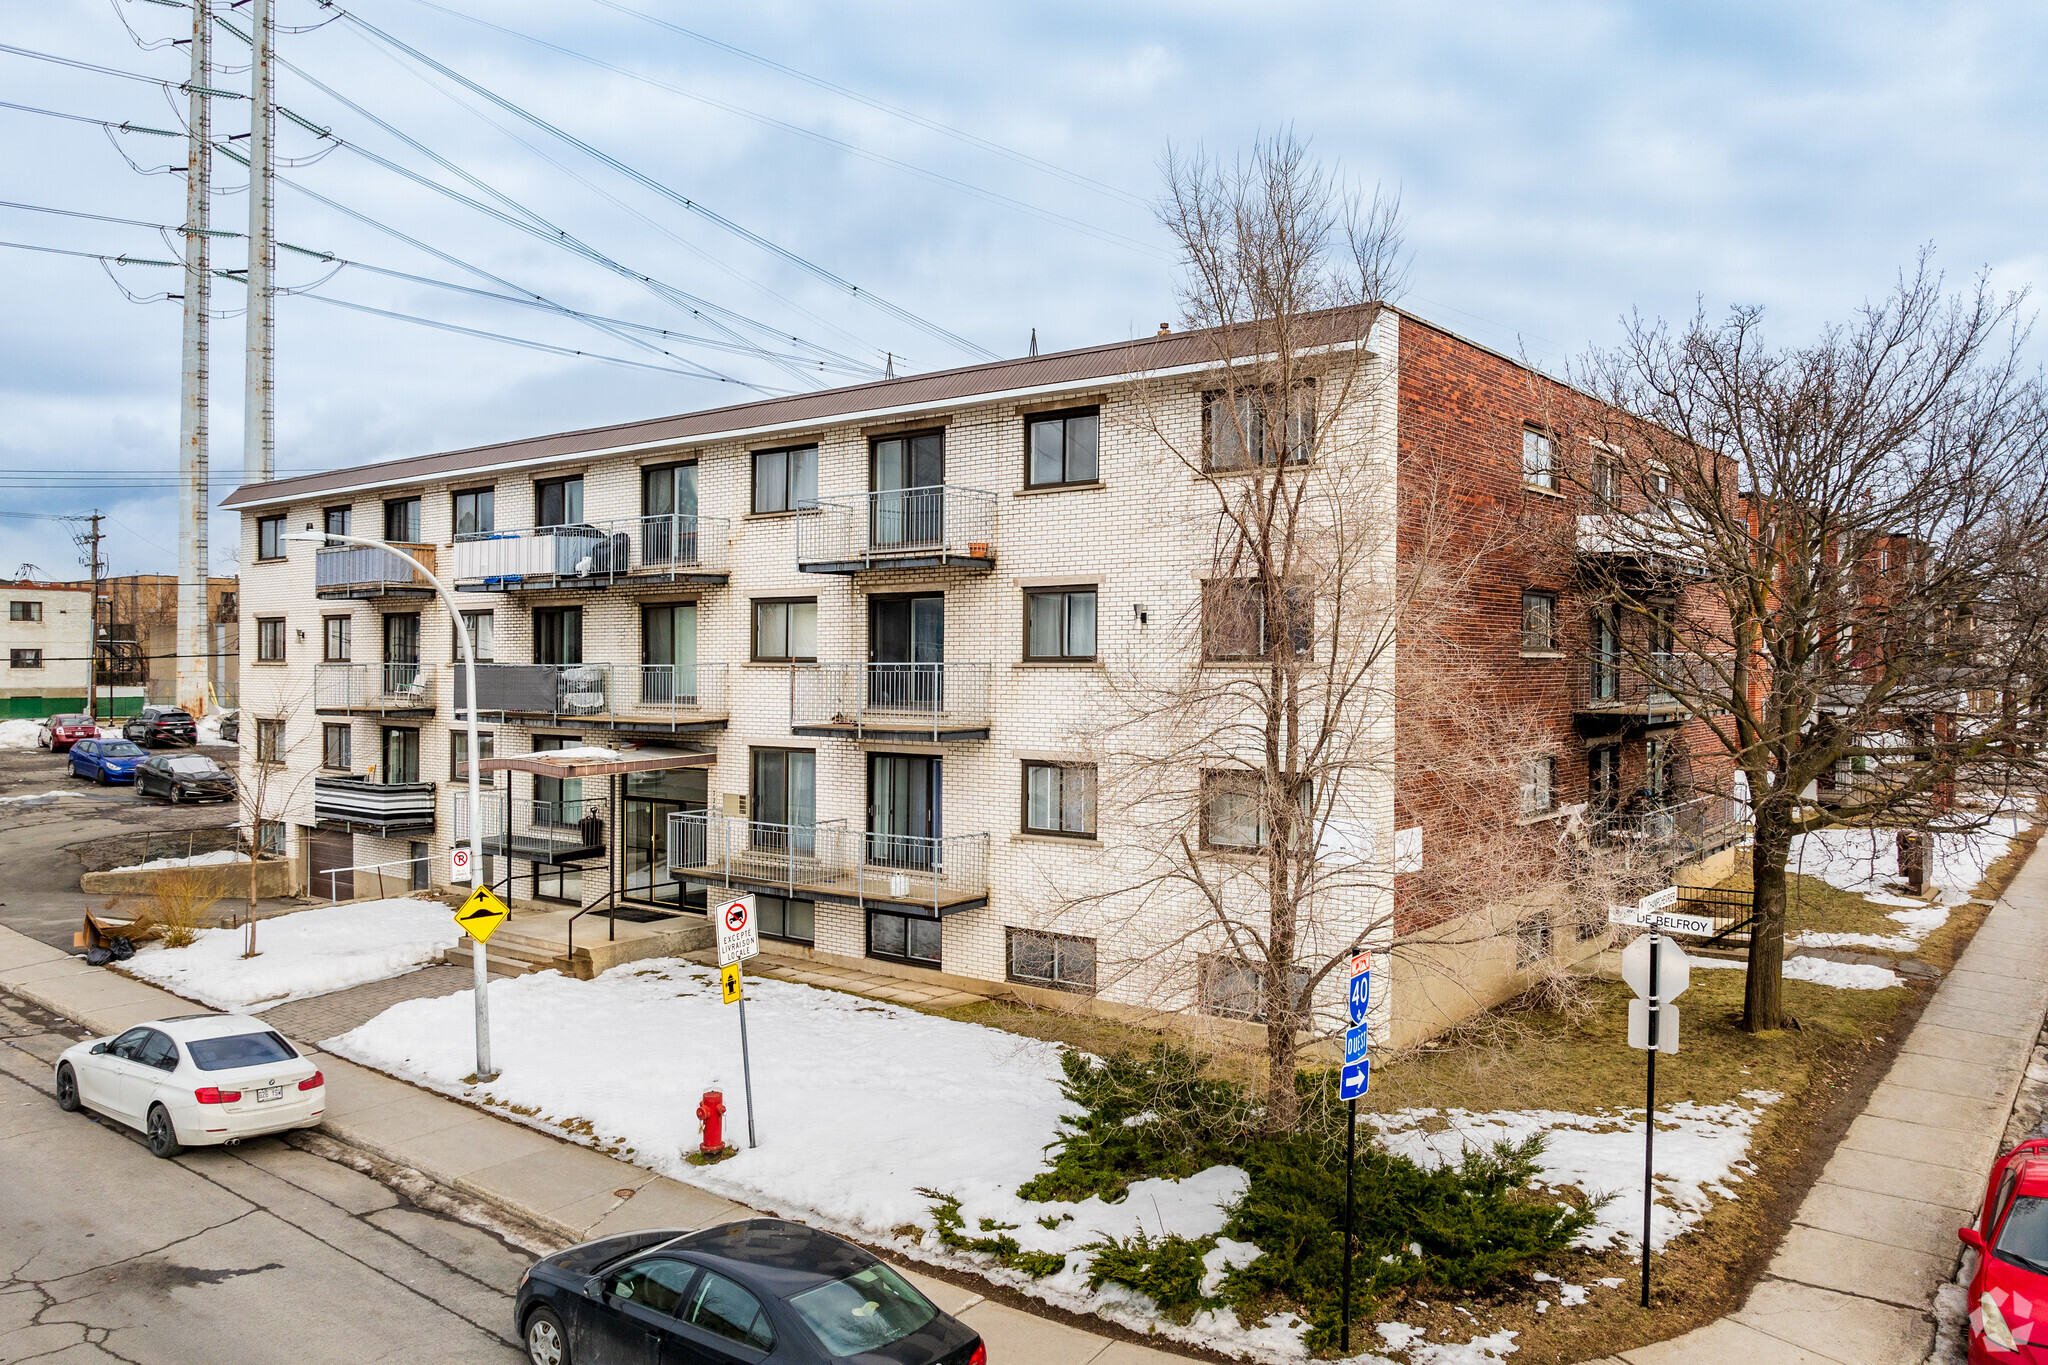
(735,804)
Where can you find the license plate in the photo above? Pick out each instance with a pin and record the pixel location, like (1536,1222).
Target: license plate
(265,1094)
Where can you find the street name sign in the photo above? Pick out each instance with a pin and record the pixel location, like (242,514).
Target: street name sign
(458,864)
(1658,900)
(1361,986)
(1663,921)
(481,914)
(739,937)
(729,983)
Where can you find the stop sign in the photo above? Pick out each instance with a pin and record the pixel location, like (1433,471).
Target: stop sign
(1674,968)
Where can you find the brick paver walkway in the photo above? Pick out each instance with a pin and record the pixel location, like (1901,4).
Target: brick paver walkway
(333,1014)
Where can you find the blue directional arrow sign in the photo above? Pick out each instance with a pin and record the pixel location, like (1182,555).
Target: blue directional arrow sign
(1361,987)
(1357,1077)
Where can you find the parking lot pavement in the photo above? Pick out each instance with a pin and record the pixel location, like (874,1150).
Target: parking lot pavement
(254,1254)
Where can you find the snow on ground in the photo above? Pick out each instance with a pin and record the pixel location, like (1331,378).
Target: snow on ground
(19,733)
(209,728)
(310,952)
(1867,860)
(1702,1150)
(1821,971)
(38,799)
(221,859)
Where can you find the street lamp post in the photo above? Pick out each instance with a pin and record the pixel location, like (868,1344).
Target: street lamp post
(478,957)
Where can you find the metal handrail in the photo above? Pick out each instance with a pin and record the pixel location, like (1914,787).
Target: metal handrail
(941,519)
(829,857)
(555,690)
(364,566)
(893,696)
(332,872)
(379,687)
(595,551)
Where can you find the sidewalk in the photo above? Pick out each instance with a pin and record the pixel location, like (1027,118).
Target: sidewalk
(1854,1280)
(576,1193)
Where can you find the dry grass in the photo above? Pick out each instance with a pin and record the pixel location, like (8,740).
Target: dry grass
(181,899)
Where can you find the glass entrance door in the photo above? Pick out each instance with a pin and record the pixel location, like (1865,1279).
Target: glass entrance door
(650,799)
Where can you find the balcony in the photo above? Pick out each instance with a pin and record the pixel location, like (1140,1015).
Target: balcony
(536,831)
(632,697)
(935,702)
(373,689)
(906,528)
(381,808)
(359,571)
(1662,541)
(592,555)
(1651,690)
(829,862)
(1665,832)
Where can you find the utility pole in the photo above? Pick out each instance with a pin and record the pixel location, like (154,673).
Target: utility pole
(259,414)
(92,650)
(193,576)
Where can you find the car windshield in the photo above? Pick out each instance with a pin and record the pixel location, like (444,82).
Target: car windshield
(72,720)
(119,748)
(863,1312)
(195,765)
(243,1049)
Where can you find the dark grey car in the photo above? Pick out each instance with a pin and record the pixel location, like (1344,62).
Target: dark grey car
(184,777)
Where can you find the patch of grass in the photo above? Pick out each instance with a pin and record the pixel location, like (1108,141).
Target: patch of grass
(952,1231)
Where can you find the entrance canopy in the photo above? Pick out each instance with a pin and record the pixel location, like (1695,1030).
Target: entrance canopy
(591,761)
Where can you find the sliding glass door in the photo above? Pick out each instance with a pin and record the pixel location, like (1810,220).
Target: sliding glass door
(903,810)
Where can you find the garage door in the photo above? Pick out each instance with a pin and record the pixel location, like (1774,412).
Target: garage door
(332,852)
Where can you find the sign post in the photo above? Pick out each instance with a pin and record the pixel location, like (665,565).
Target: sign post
(1658,971)
(739,938)
(1354,1081)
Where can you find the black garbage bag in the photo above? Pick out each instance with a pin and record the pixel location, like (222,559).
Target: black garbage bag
(123,949)
(98,957)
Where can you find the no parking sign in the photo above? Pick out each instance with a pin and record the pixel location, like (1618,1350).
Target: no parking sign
(458,864)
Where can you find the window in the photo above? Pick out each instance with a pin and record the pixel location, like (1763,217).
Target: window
(1539,459)
(1539,620)
(1061,961)
(334,639)
(1532,943)
(1539,785)
(1059,799)
(272,838)
(401,755)
(902,938)
(1238,429)
(785,787)
(270,741)
(1244,619)
(558,635)
(558,502)
(240,1050)
(786,480)
(786,630)
(863,1312)
(1233,811)
(474,512)
(1233,988)
(794,921)
(479,625)
(1657,768)
(402,520)
(24,658)
(270,639)
(722,1308)
(1060,447)
(270,537)
(334,521)
(656,1285)
(1059,623)
(1660,482)
(336,745)
(1606,482)
(24,611)
(458,754)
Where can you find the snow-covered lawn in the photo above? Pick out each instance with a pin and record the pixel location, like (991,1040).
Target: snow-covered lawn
(1867,860)
(307,953)
(1854,976)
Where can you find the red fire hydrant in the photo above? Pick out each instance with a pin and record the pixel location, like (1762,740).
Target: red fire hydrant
(711,1122)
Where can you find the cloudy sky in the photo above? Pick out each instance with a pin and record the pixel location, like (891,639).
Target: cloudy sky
(980,169)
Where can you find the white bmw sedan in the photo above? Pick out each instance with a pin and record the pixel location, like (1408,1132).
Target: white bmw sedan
(194,1080)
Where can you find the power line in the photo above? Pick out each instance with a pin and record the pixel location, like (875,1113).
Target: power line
(187,86)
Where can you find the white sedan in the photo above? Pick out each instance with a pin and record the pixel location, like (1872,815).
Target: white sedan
(194,1080)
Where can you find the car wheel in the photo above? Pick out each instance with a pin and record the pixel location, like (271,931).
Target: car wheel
(67,1090)
(163,1135)
(546,1343)
(174,793)
(104,780)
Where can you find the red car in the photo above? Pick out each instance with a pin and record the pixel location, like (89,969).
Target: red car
(61,732)
(2009,1292)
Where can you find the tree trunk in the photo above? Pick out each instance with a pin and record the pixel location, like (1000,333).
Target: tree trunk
(1283,1010)
(1762,1008)
(250,950)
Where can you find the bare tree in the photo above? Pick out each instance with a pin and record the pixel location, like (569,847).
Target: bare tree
(265,788)
(1868,513)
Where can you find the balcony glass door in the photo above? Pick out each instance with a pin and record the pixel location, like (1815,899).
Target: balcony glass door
(1606,657)
(558,635)
(401,755)
(903,810)
(668,515)
(906,653)
(785,792)
(401,653)
(668,654)
(906,473)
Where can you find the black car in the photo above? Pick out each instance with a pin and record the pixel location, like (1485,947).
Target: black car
(759,1291)
(155,725)
(184,777)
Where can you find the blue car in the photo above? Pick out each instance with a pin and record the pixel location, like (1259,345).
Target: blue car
(105,760)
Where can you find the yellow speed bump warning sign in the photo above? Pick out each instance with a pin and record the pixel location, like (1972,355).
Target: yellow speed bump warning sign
(481,914)
(729,978)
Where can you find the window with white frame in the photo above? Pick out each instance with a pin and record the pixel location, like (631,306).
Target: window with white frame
(1059,623)
(1539,459)
(786,630)
(1539,785)
(480,625)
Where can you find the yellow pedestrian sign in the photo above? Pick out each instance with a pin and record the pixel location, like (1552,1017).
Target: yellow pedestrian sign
(729,978)
(481,914)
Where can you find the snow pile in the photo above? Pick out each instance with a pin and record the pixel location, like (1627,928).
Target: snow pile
(19,733)
(38,799)
(208,728)
(1847,975)
(1867,860)
(1702,1150)
(221,859)
(307,953)
(586,753)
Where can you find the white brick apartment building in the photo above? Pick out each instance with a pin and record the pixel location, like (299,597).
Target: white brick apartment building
(892,693)
(46,648)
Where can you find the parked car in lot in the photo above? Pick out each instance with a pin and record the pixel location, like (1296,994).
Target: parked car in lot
(2008,1295)
(194,1080)
(105,760)
(763,1290)
(59,733)
(231,727)
(155,725)
(184,777)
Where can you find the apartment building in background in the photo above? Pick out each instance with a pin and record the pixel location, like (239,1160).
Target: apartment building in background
(139,639)
(879,621)
(46,645)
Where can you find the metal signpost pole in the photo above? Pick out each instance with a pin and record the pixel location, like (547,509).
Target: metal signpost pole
(739,939)
(1650,1113)
(747,1074)
(1350,1159)
(1353,1082)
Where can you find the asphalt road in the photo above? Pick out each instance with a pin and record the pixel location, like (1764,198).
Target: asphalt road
(259,1253)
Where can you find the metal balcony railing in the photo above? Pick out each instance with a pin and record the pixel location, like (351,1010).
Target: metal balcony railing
(940,700)
(1671,831)
(675,693)
(1652,685)
(373,688)
(373,807)
(342,570)
(801,861)
(1667,537)
(939,525)
(594,553)
(530,828)
(552,690)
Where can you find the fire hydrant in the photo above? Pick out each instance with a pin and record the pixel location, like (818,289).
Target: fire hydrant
(711,1123)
